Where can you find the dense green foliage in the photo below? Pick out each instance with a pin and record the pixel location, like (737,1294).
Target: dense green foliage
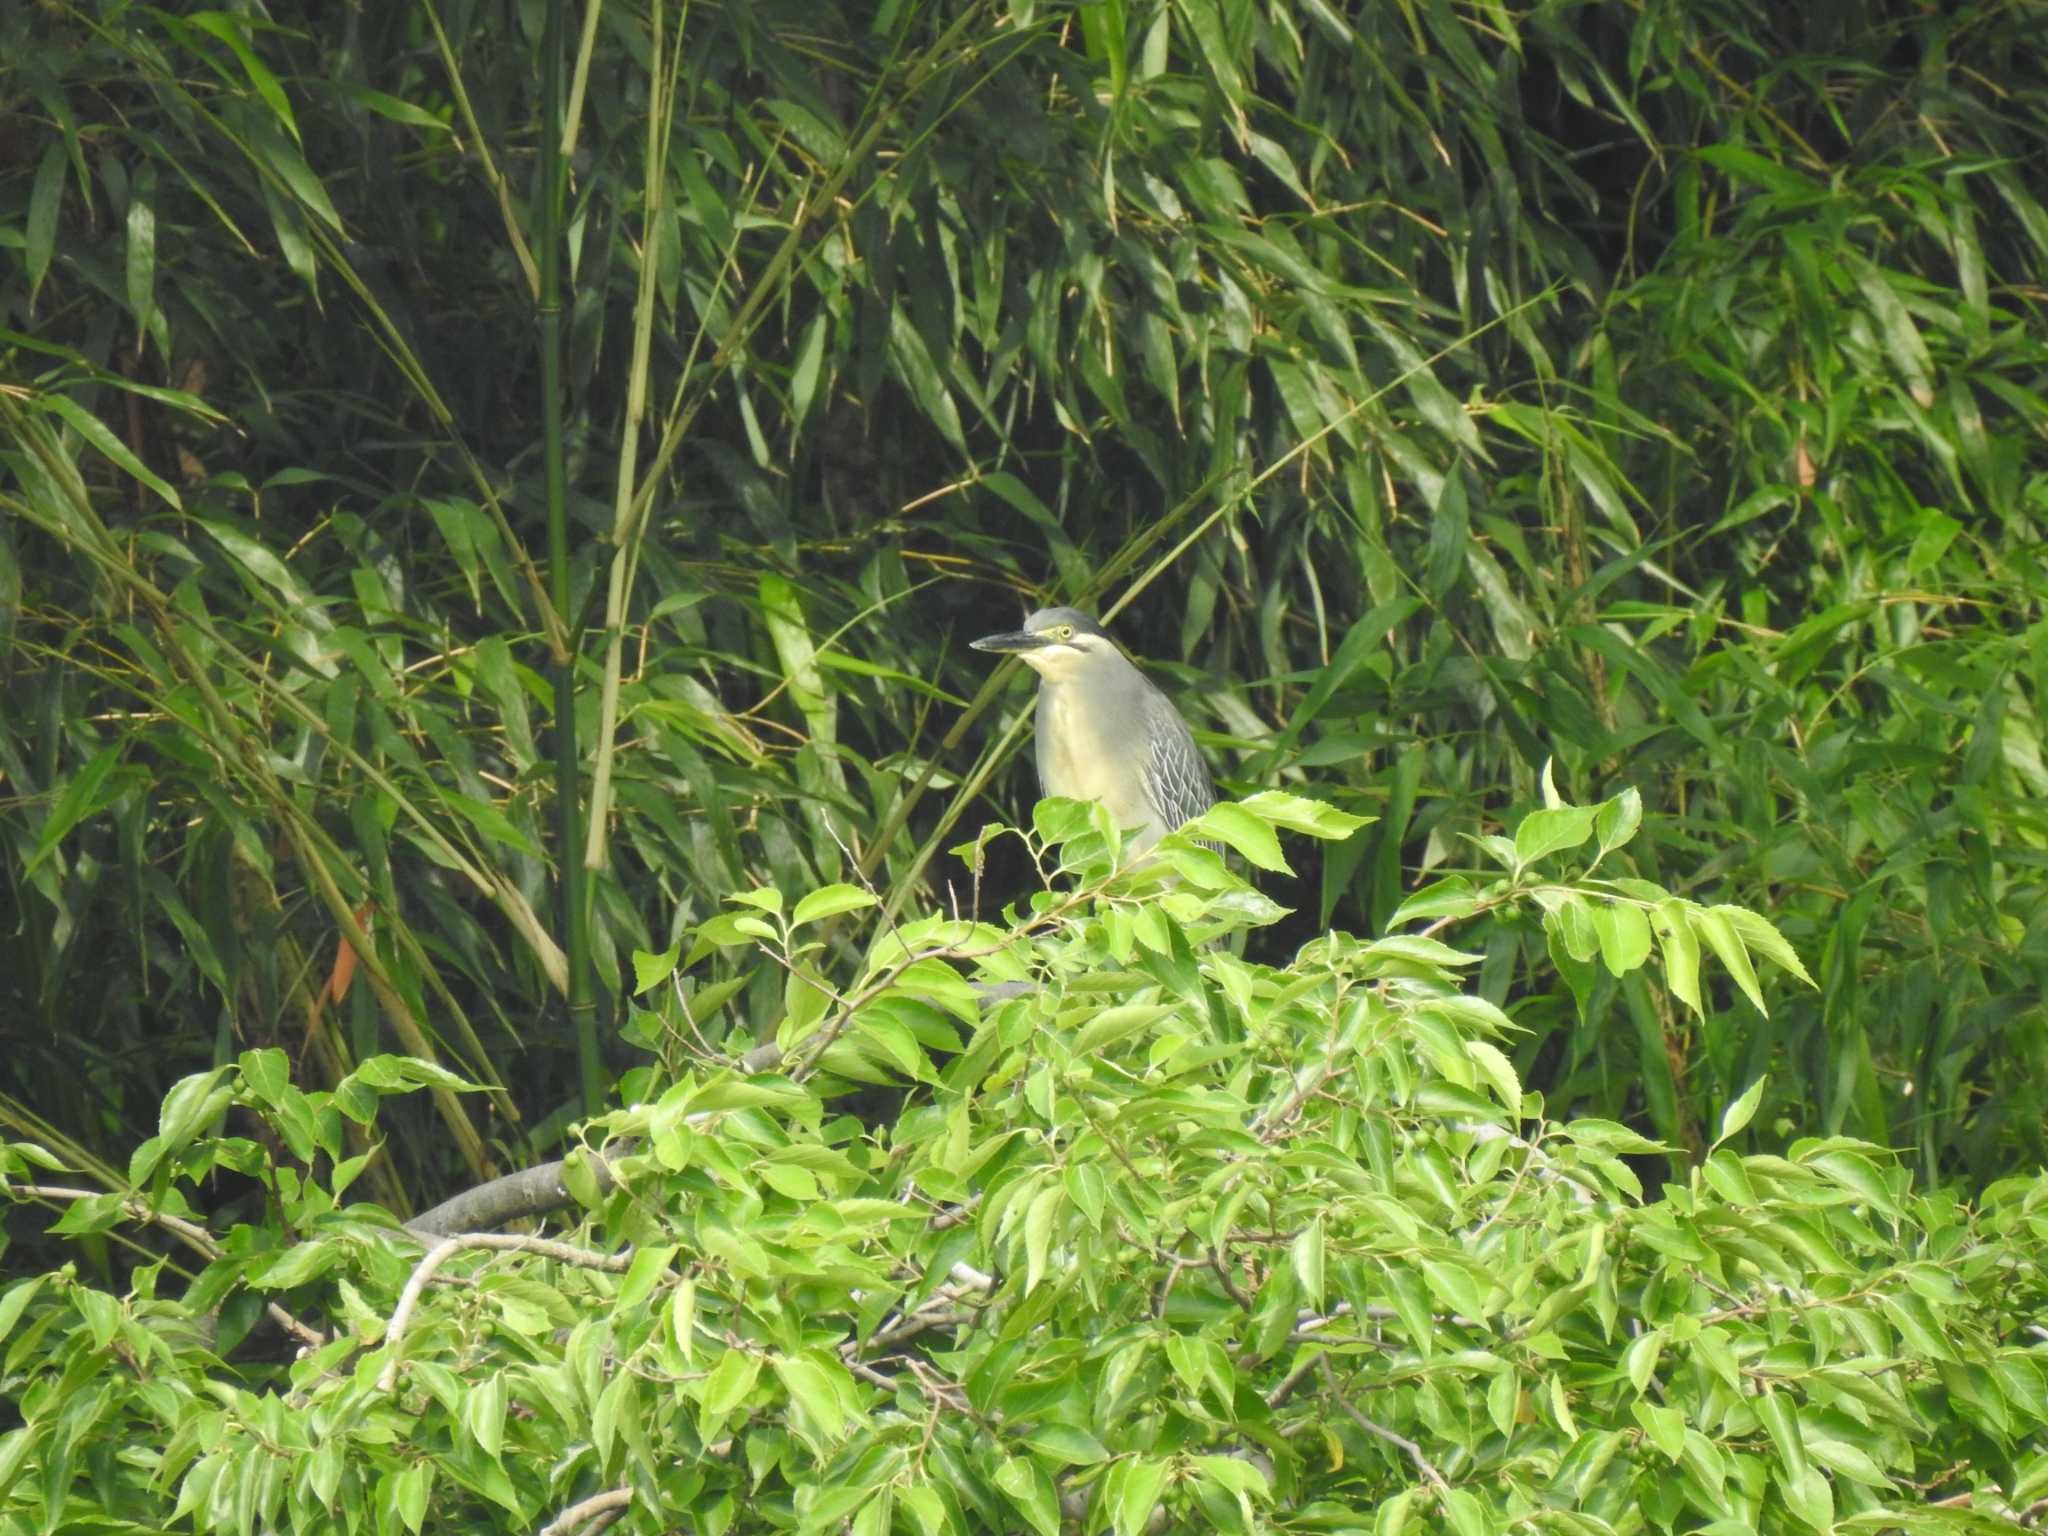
(1651,390)
(485,482)
(1176,1237)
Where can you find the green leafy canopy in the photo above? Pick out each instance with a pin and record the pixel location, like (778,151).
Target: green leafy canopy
(1167,1240)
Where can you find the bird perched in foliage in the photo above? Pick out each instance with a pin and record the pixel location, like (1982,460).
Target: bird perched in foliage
(1104,732)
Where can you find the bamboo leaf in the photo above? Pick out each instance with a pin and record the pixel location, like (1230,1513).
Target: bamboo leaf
(94,431)
(45,205)
(88,792)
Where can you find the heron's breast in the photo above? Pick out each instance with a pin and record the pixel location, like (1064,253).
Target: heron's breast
(1093,754)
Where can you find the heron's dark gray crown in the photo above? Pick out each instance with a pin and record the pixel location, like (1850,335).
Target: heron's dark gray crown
(1054,618)
(1047,628)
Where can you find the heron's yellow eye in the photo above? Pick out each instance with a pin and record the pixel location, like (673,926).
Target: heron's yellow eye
(1064,632)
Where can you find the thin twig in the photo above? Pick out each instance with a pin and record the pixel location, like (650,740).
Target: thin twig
(869,1374)
(1293,1379)
(1235,1291)
(1413,1451)
(194,1236)
(921,1321)
(611,1504)
(952,1216)
(448,1247)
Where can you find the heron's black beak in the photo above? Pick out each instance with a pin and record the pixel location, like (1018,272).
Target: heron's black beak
(1010,644)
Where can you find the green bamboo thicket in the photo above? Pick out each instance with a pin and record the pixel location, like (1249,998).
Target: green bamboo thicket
(1437,393)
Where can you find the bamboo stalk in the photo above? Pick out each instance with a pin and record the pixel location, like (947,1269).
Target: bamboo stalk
(572,916)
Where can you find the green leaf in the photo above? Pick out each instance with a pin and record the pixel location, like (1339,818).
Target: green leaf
(1624,932)
(580,1180)
(283,157)
(1073,568)
(1241,829)
(925,1506)
(1112,1025)
(490,821)
(682,1318)
(141,249)
(483,1412)
(233,31)
(397,1074)
(1809,1496)
(1712,924)
(1315,818)
(1066,1444)
(1466,1514)
(934,980)
(90,790)
(795,1183)
(1571,920)
(193,1101)
(1775,1410)
(927,382)
(811,1382)
(1026,1485)
(293,1266)
(1618,819)
(1856,1174)
(1499,1073)
(896,677)
(830,901)
(727,929)
(1452,896)
(1087,1189)
(45,203)
(706,1000)
(388,106)
(1640,1359)
(646,1271)
(265,566)
(1759,935)
(1367,636)
(1728,1178)
(650,971)
(1681,951)
(805,1002)
(1665,1426)
(1038,1230)
(1221,54)
(1306,1253)
(1235,1474)
(1137,1494)
(1547,831)
(896,1043)
(810,358)
(1902,338)
(1771,175)
(12,1303)
(729,1382)
(94,431)
(1739,1113)
(1455,1287)
(735,1092)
